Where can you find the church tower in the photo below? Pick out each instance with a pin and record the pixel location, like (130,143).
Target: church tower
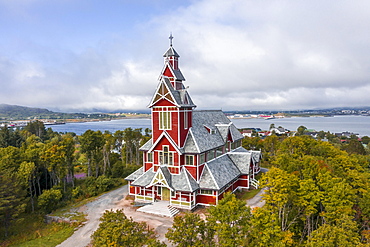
(171,108)
(193,157)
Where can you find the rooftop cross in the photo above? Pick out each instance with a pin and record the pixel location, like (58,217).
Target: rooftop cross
(171,38)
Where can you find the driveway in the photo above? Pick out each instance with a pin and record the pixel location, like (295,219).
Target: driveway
(113,200)
(116,200)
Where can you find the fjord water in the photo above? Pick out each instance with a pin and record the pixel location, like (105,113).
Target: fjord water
(337,124)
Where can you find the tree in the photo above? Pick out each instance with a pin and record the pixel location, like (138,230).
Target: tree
(190,230)
(116,229)
(300,130)
(68,147)
(11,200)
(5,137)
(26,175)
(365,140)
(91,144)
(230,221)
(36,128)
(252,143)
(354,147)
(49,199)
(343,234)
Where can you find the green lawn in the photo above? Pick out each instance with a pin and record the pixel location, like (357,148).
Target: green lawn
(55,233)
(246,195)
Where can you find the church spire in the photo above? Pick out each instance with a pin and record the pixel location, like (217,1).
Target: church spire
(171,38)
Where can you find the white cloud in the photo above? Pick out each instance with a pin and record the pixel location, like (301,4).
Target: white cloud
(234,54)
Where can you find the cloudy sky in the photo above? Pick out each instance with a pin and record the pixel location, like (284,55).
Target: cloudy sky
(80,55)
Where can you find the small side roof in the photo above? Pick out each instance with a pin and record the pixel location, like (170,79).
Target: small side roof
(135,174)
(184,182)
(218,173)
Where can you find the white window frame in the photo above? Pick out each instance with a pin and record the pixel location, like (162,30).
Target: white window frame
(150,157)
(165,121)
(186,120)
(190,158)
(166,157)
(206,192)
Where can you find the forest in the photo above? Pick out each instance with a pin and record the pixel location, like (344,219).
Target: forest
(317,194)
(42,170)
(317,191)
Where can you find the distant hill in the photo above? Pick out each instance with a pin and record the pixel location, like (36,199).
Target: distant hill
(22,112)
(15,112)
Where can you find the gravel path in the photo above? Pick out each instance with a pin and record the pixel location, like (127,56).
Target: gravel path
(115,200)
(94,211)
(257,201)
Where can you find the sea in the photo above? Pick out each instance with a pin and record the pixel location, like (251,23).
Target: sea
(336,124)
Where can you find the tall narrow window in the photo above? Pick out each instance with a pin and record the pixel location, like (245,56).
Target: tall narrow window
(186,120)
(150,157)
(165,119)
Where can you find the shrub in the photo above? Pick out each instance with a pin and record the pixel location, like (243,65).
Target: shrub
(49,199)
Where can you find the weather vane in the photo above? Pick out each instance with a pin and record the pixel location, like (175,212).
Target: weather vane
(171,38)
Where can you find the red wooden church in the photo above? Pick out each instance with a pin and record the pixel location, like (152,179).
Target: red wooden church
(193,157)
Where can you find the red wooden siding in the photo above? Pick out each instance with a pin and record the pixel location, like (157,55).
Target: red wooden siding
(206,199)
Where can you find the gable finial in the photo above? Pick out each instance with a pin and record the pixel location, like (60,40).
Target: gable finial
(171,38)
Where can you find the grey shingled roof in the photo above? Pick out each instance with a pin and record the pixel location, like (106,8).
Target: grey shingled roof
(220,172)
(235,133)
(223,129)
(147,145)
(204,140)
(178,75)
(171,52)
(240,149)
(177,95)
(135,174)
(144,179)
(184,182)
(206,180)
(256,156)
(190,146)
(180,182)
(241,160)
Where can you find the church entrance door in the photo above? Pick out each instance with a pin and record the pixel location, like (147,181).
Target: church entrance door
(165,194)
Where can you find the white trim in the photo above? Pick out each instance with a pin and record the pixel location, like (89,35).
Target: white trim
(192,135)
(163,178)
(178,127)
(173,143)
(152,102)
(187,178)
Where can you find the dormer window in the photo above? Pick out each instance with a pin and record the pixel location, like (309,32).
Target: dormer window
(210,130)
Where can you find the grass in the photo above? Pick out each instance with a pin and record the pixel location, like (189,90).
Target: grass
(248,194)
(52,235)
(33,231)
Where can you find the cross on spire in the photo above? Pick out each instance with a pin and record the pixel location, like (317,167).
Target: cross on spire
(171,38)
